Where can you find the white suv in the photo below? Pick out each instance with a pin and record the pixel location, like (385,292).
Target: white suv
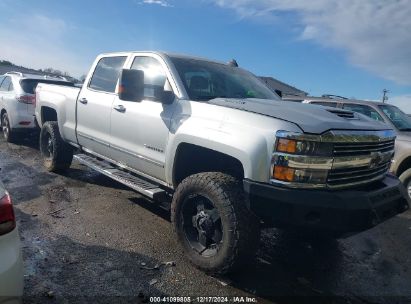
(17,101)
(11,262)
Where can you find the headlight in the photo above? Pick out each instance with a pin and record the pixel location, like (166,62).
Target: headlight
(303,147)
(300,160)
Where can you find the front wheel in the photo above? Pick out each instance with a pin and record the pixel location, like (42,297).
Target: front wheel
(217,232)
(405,178)
(56,153)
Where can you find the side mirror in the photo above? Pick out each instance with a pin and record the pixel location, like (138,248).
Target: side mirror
(168,97)
(279,93)
(131,85)
(164,96)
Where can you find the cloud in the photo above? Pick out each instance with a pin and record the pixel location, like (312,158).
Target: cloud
(37,41)
(402,101)
(374,34)
(163,3)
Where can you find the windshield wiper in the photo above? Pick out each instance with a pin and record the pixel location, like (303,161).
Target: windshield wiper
(405,129)
(206,98)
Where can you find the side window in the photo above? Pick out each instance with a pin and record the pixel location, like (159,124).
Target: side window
(5,84)
(154,74)
(1,79)
(365,110)
(106,74)
(11,87)
(326,104)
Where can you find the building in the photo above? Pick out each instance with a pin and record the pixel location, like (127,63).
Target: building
(284,90)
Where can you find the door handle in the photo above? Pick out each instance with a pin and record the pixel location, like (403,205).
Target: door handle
(120,108)
(83,100)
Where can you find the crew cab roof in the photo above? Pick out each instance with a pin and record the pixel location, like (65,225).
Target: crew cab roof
(161,54)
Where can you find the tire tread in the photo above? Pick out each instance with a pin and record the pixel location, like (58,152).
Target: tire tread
(245,224)
(63,152)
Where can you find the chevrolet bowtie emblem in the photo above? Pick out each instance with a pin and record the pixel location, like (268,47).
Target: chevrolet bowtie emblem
(376,159)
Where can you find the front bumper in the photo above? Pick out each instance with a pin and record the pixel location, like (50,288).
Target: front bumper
(331,211)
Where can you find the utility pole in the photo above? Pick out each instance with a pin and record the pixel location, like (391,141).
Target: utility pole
(384,96)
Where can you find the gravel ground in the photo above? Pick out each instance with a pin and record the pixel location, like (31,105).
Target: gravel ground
(88,239)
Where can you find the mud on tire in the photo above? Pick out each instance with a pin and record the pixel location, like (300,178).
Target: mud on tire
(205,203)
(57,154)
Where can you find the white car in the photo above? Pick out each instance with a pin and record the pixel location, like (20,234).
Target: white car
(11,262)
(17,102)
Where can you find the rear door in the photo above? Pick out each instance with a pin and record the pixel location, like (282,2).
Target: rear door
(1,93)
(95,104)
(9,102)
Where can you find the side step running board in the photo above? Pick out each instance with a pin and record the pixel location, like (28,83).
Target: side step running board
(138,184)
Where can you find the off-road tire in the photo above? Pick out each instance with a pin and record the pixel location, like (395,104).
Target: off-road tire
(241,231)
(9,136)
(405,178)
(62,153)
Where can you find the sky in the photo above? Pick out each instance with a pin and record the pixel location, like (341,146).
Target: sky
(353,48)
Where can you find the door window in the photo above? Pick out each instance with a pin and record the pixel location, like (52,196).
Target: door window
(106,74)
(365,110)
(154,74)
(5,84)
(400,120)
(11,87)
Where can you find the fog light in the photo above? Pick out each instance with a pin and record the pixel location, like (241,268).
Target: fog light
(283,173)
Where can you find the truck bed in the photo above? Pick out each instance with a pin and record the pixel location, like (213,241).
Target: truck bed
(61,99)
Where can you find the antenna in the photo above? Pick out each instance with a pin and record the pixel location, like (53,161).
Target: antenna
(233,63)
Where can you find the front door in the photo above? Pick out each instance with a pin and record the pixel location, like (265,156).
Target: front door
(139,130)
(95,103)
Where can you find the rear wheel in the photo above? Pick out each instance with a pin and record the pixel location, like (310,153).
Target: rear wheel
(8,133)
(56,153)
(217,232)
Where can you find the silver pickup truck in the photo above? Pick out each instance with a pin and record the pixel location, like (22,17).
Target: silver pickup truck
(226,153)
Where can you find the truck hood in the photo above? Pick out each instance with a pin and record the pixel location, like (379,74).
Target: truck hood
(310,118)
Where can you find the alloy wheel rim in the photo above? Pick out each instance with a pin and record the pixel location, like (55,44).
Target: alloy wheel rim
(50,146)
(47,147)
(202,225)
(5,127)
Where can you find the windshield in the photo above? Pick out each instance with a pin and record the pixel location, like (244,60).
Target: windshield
(204,80)
(399,119)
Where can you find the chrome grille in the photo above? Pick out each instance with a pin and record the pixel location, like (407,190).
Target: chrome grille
(342,177)
(368,161)
(348,149)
